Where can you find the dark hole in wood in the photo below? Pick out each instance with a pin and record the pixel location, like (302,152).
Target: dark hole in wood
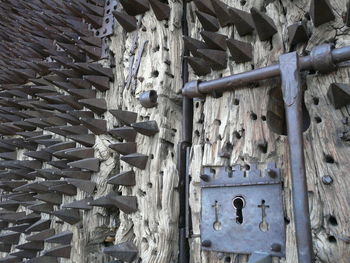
(328,158)
(318,119)
(332,239)
(237,135)
(236,102)
(253,116)
(263,147)
(227,259)
(333,221)
(315,100)
(276,118)
(155,74)
(263,118)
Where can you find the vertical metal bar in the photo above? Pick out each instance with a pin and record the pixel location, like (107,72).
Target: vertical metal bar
(292,96)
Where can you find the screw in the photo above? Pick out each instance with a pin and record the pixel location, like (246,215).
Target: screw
(276,247)
(327,180)
(271,173)
(206,243)
(205,177)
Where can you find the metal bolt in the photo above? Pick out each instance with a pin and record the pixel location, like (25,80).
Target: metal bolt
(327,180)
(205,177)
(276,247)
(206,243)
(271,173)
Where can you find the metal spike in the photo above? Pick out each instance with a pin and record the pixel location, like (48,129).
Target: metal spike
(48,174)
(18,228)
(240,51)
(209,23)
(124,178)
(67,189)
(126,117)
(216,58)
(33,245)
(63,238)
(124,148)
(71,216)
(339,95)
(92,51)
(297,33)
(81,204)
(126,133)
(22,197)
(97,126)
(99,106)
(99,82)
(60,146)
(50,198)
(199,66)
(103,201)
(91,164)
(58,252)
(83,175)
(9,205)
(193,44)
(148,128)
(5,247)
(129,23)
(87,140)
(43,259)
(321,12)
(41,236)
(30,218)
(39,155)
(214,40)
(205,6)
(81,114)
(264,25)
(83,185)
(136,159)
(68,118)
(24,254)
(10,259)
(48,142)
(80,153)
(95,41)
(82,93)
(61,164)
(161,10)
(97,68)
(41,208)
(135,7)
(10,238)
(12,217)
(39,226)
(222,12)
(243,21)
(126,251)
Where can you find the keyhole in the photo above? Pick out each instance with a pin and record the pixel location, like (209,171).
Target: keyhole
(238,203)
(217,224)
(264,226)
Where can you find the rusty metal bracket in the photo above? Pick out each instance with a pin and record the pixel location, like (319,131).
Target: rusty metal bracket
(242,211)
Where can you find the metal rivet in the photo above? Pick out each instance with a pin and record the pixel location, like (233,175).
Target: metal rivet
(206,243)
(271,173)
(327,180)
(276,247)
(205,177)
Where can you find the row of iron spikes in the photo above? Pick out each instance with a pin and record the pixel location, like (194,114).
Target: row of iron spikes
(131,8)
(204,59)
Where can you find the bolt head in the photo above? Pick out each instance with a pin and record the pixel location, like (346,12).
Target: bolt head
(206,243)
(275,247)
(327,180)
(205,177)
(271,173)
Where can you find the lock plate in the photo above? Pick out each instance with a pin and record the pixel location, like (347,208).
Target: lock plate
(242,211)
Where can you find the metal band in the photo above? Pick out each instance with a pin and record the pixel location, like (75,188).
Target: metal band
(321,58)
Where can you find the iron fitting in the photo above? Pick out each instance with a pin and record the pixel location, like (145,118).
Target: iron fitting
(148,99)
(191,89)
(321,58)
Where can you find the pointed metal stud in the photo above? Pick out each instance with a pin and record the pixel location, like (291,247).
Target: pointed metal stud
(126,117)
(135,7)
(58,252)
(339,95)
(161,10)
(209,23)
(99,106)
(51,198)
(205,6)
(126,251)
(33,245)
(10,238)
(79,153)
(99,82)
(216,58)
(126,133)
(91,164)
(124,148)
(96,126)
(297,33)
(214,40)
(42,208)
(124,178)
(30,218)
(63,238)
(81,204)
(5,247)
(321,12)
(83,185)
(65,189)
(18,228)
(41,236)
(87,140)
(39,155)
(222,12)
(136,159)
(129,23)
(264,25)
(75,129)
(199,66)
(39,226)
(82,175)
(148,128)
(9,155)
(10,259)
(193,44)
(71,216)
(60,146)
(24,254)
(240,51)
(243,21)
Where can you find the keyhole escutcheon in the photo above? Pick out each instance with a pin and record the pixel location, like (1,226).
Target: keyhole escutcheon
(238,204)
